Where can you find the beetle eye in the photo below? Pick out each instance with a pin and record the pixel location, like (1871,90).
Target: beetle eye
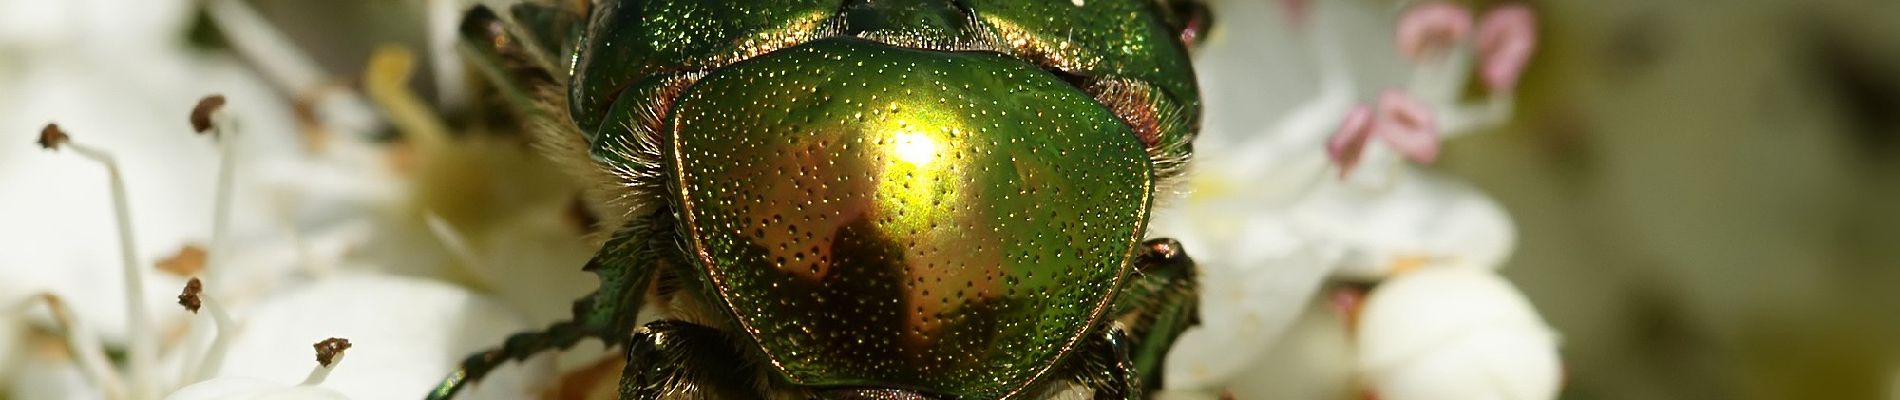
(1191,20)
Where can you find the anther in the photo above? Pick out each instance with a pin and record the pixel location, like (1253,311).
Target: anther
(51,137)
(189,261)
(329,354)
(190,298)
(201,115)
(329,351)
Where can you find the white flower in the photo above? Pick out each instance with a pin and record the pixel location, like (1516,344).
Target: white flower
(404,334)
(314,232)
(1329,188)
(1455,333)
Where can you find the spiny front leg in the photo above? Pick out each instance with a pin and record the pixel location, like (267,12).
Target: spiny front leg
(1161,301)
(625,266)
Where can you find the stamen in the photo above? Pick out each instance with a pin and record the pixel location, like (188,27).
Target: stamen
(1428,30)
(140,349)
(1408,126)
(387,81)
(287,67)
(86,349)
(455,242)
(209,117)
(194,298)
(329,355)
(1506,37)
(444,22)
(201,115)
(51,137)
(1349,141)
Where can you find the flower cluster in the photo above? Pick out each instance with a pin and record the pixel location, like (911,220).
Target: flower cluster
(1334,265)
(288,226)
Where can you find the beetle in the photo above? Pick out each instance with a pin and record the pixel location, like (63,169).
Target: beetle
(864,199)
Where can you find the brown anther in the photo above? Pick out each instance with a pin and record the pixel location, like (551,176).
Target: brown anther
(51,137)
(329,349)
(189,261)
(190,298)
(201,114)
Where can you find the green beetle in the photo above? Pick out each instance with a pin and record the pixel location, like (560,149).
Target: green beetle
(865,199)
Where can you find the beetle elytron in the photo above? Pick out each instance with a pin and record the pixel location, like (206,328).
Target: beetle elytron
(865,199)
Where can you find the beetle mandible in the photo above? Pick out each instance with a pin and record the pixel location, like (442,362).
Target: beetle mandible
(864,199)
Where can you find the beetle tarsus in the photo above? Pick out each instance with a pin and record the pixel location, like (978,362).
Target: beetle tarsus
(624,264)
(518,347)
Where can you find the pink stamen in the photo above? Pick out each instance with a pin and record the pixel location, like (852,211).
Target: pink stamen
(1407,125)
(1507,35)
(1350,139)
(1430,28)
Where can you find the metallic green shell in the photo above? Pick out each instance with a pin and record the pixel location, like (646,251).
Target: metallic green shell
(639,40)
(874,215)
(1119,46)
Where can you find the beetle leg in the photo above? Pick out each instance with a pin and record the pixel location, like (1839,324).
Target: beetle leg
(1105,368)
(1161,301)
(680,360)
(625,266)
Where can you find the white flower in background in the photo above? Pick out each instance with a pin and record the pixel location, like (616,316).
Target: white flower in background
(402,329)
(305,241)
(1328,189)
(122,78)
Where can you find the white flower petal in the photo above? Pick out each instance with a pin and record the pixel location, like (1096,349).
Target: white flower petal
(407,335)
(133,105)
(51,376)
(1313,360)
(1421,218)
(251,389)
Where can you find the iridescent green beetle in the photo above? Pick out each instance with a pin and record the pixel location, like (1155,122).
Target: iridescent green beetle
(866,199)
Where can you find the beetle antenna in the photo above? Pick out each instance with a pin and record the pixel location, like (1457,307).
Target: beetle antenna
(140,348)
